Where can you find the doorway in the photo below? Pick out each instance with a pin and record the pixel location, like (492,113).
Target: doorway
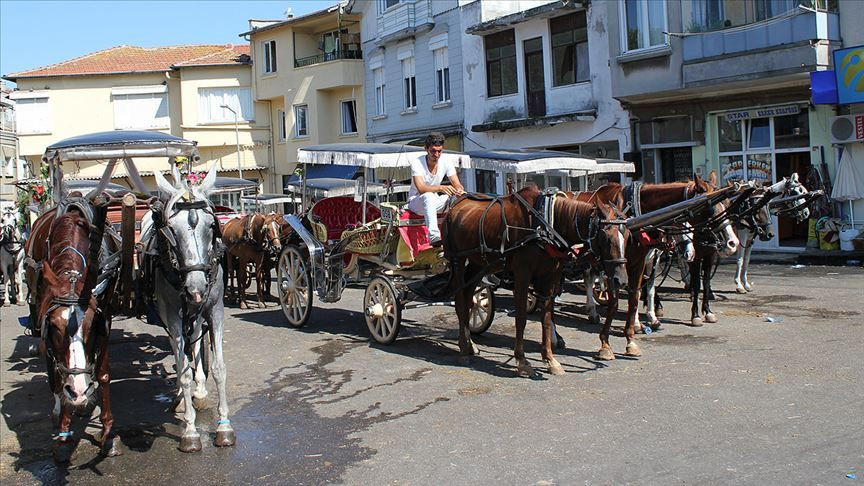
(535,82)
(789,231)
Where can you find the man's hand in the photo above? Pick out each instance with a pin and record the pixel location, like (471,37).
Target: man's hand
(450,190)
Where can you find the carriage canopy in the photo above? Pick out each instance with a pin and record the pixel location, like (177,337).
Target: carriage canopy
(120,144)
(523,161)
(333,187)
(371,155)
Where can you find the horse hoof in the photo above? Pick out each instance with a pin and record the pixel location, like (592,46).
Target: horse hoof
(594,319)
(225,438)
(655,325)
(524,369)
(659,312)
(244,305)
(560,344)
(179,405)
(555,368)
(63,452)
(200,403)
(748,287)
(111,448)
(741,290)
(633,350)
(696,322)
(605,354)
(190,443)
(637,328)
(710,317)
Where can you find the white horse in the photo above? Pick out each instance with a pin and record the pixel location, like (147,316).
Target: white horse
(184,239)
(11,256)
(761,226)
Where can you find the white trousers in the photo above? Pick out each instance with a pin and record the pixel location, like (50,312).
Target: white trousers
(429,204)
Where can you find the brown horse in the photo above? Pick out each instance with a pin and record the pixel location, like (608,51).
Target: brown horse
(73,316)
(251,238)
(638,254)
(536,263)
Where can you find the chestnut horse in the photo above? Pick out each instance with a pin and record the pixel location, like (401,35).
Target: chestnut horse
(251,238)
(507,225)
(71,311)
(652,197)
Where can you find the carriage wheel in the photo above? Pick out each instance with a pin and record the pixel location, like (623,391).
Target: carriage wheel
(295,292)
(250,270)
(482,310)
(383,310)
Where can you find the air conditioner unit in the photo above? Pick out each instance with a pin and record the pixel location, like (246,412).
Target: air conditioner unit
(847,128)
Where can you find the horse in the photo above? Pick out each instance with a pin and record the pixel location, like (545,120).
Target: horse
(11,257)
(760,221)
(250,238)
(183,251)
(507,233)
(639,254)
(684,250)
(71,311)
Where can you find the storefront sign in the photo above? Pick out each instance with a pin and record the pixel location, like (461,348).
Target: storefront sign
(849,67)
(762,112)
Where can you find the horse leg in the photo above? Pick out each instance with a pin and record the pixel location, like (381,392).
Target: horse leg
(109,443)
(740,259)
(463,306)
(199,394)
(635,287)
(651,300)
(64,444)
(549,330)
(706,282)
(605,352)
(224,432)
(240,273)
(520,299)
(190,441)
(747,251)
(590,302)
(229,274)
(259,280)
(695,272)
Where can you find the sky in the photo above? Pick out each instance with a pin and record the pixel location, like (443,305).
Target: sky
(38,33)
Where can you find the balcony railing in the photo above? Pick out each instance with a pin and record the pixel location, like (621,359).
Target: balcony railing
(328,56)
(406,15)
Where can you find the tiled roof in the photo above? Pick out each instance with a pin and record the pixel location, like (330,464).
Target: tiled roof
(134,59)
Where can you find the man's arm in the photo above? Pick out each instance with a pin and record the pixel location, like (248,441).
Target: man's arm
(423,188)
(456,184)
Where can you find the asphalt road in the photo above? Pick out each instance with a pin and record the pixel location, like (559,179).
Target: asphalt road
(742,401)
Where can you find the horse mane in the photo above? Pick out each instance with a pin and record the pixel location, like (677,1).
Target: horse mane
(570,212)
(69,230)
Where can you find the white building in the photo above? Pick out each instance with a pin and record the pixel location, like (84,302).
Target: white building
(536,75)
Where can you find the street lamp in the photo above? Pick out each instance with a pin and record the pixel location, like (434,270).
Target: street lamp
(237,139)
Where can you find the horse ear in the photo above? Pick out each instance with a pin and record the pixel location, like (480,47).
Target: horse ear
(166,190)
(712,178)
(207,184)
(794,177)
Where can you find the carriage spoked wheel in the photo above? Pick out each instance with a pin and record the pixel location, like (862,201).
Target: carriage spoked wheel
(482,310)
(250,270)
(295,292)
(383,310)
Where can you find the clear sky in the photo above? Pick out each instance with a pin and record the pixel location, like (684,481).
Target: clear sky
(38,33)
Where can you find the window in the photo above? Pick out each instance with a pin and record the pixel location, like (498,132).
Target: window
(569,49)
(349,117)
(212,100)
(141,110)
(283,126)
(269,56)
(644,23)
(301,121)
(410,83)
(385,4)
(33,115)
(706,15)
(765,9)
(501,63)
(442,75)
(380,107)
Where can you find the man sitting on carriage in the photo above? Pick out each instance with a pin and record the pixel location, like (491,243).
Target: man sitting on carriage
(427,195)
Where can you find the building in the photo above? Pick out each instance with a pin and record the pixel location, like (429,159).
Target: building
(724,86)
(190,91)
(413,79)
(9,165)
(309,71)
(536,75)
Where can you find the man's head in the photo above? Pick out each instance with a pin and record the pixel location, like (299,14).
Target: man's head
(434,146)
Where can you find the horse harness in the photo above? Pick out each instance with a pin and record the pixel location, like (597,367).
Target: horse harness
(168,263)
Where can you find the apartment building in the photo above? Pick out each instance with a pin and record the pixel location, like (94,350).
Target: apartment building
(536,75)
(9,163)
(198,92)
(309,71)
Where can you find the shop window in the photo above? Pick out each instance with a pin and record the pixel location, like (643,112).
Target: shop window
(729,135)
(731,168)
(758,133)
(569,49)
(792,131)
(501,63)
(759,168)
(485,181)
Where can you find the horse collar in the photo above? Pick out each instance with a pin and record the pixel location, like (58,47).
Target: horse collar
(633,197)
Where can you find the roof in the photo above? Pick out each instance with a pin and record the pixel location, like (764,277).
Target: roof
(134,59)
(292,20)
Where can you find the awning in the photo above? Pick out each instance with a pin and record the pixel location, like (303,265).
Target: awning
(523,161)
(371,155)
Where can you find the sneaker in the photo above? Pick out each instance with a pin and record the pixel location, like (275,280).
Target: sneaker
(435,241)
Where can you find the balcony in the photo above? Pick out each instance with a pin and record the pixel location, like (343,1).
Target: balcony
(782,45)
(327,57)
(405,20)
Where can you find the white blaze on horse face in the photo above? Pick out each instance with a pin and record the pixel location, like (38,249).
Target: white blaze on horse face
(731,241)
(77,383)
(689,247)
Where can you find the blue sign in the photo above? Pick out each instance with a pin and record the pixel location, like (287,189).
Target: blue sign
(849,66)
(823,87)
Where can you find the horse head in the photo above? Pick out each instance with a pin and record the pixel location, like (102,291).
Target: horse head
(798,207)
(67,310)
(684,243)
(609,242)
(273,232)
(713,225)
(188,226)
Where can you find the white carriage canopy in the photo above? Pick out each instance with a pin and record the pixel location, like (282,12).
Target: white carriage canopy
(524,161)
(372,155)
(334,187)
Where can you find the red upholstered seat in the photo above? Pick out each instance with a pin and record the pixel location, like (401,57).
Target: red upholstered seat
(339,213)
(413,215)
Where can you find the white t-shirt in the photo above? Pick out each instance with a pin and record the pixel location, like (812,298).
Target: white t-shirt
(418,168)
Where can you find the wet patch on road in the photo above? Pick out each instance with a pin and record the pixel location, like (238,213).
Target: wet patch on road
(681,339)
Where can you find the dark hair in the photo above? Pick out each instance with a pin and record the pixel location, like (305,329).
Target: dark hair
(435,139)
